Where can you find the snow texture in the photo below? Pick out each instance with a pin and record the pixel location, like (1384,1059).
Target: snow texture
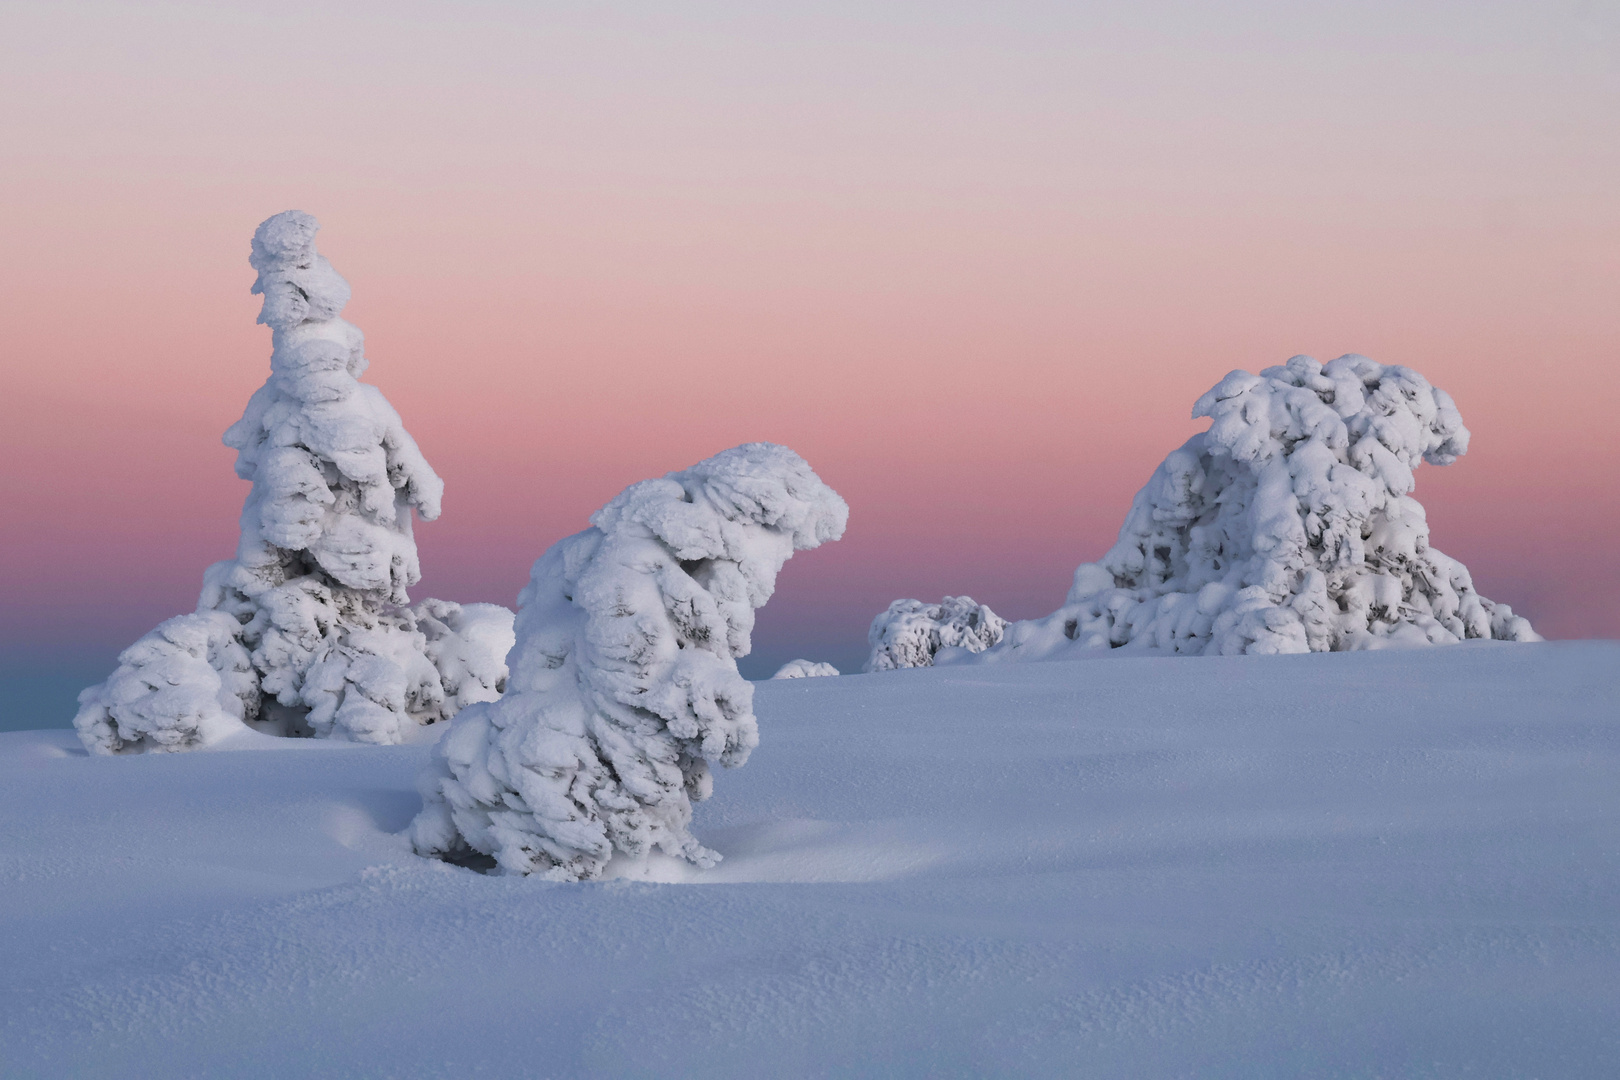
(307,630)
(804,669)
(624,684)
(911,633)
(1287,527)
(1377,864)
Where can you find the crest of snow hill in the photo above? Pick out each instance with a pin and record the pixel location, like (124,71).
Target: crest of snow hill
(1287,527)
(308,630)
(624,685)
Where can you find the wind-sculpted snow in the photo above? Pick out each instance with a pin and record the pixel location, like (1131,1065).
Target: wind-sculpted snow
(1377,864)
(624,684)
(307,630)
(911,633)
(1287,527)
(804,669)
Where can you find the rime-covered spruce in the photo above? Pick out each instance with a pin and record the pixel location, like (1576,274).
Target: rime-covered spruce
(804,669)
(1287,527)
(309,629)
(911,633)
(624,686)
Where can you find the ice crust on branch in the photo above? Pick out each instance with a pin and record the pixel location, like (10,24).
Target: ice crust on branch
(804,669)
(911,633)
(308,630)
(1287,527)
(624,685)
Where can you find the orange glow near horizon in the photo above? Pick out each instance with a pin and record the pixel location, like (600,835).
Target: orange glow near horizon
(975,273)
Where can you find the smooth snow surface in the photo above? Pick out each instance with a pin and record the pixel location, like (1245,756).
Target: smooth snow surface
(1364,864)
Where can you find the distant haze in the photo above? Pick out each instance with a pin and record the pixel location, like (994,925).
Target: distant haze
(975,263)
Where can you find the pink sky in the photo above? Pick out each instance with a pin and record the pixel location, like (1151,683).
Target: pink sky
(975,268)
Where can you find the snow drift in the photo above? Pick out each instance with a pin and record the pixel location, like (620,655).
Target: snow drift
(624,684)
(308,630)
(1287,527)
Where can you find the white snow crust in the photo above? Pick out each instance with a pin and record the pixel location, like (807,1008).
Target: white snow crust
(308,630)
(1396,863)
(911,633)
(1287,527)
(624,685)
(804,669)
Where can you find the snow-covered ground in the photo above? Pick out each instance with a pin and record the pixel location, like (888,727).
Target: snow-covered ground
(1371,864)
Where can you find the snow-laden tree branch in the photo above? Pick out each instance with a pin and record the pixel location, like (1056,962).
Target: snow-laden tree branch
(307,630)
(1287,527)
(624,685)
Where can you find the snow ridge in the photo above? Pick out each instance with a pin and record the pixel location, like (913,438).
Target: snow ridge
(307,630)
(624,684)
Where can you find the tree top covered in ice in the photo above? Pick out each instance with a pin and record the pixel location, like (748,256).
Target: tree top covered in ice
(335,473)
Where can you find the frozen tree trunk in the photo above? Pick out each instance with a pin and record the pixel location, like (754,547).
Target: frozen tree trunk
(624,686)
(315,601)
(1287,527)
(911,633)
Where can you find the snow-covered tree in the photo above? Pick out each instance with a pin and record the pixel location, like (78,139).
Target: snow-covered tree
(187,682)
(911,633)
(804,669)
(307,630)
(624,685)
(1287,527)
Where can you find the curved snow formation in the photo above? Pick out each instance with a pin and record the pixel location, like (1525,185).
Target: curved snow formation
(1287,527)
(624,685)
(307,630)
(911,633)
(804,669)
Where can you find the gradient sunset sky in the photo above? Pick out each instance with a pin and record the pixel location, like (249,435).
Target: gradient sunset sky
(974,261)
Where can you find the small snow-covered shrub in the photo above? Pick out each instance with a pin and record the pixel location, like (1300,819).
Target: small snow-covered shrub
(188,680)
(308,630)
(1287,527)
(624,685)
(804,669)
(911,633)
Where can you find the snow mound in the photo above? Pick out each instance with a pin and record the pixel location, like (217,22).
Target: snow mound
(1287,527)
(624,684)
(911,633)
(307,630)
(804,669)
